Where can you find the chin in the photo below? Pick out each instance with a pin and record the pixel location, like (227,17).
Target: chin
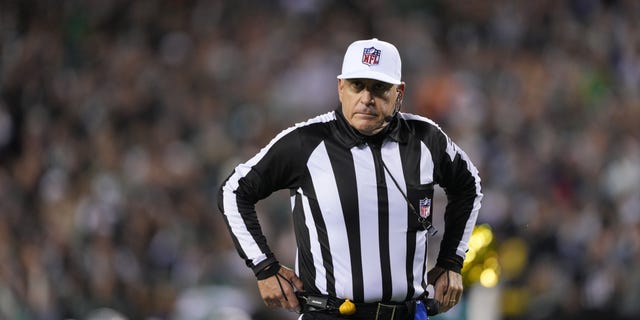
(367,127)
(367,131)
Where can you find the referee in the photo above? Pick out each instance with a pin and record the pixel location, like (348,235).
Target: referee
(361,180)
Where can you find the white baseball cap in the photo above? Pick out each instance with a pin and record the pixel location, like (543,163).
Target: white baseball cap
(372,59)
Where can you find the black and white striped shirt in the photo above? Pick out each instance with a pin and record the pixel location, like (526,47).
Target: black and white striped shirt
(357,237)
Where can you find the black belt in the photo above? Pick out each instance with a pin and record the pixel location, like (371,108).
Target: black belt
(311,302)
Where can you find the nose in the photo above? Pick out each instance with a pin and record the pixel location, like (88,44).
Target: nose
(367,97)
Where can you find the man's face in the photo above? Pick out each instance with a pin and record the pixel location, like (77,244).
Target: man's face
(365,103)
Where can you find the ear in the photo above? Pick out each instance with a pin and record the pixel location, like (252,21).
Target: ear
(400,90)
(400,94)
(340,88)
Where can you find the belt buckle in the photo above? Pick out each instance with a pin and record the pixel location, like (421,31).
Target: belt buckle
(382,306)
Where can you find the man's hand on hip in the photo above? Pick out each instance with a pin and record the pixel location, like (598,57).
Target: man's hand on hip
(447,285)
(278,291)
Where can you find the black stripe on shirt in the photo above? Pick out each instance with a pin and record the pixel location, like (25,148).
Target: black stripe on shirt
(323,238)
(383,224)
(305,262)
(345,175)
(410,158)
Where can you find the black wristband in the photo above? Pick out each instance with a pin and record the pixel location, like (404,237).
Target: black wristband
(452,264)
(268,271)
(434,274)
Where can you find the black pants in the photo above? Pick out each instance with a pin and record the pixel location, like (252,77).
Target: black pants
(318,316)
(398,315)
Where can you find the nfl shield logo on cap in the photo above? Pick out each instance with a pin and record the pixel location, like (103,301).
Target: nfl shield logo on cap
(371,56)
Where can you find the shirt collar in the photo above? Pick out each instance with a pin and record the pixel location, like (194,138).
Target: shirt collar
(397,131)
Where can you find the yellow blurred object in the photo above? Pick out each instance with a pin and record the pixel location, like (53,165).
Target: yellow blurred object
(474,274)
(471,255)
(491,262)
(482,263)
(487,263)
(481,237)
(489,278)
(347,308)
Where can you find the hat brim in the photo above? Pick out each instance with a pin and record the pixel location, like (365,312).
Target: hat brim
(369,74)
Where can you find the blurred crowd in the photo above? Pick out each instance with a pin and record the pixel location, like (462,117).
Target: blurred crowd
(119,120)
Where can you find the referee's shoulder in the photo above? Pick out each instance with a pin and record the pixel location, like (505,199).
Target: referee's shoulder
(317,126)
(321,119)
(309,130)
(418,122)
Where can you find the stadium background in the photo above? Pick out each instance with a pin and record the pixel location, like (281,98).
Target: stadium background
(119,119)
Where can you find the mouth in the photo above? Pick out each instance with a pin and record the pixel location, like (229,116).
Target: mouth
(366,115)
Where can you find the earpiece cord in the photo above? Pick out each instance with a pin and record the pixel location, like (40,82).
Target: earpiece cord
(425,222)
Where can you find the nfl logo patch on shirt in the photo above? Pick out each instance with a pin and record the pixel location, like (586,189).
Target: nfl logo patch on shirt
(425,207)
(371,56)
